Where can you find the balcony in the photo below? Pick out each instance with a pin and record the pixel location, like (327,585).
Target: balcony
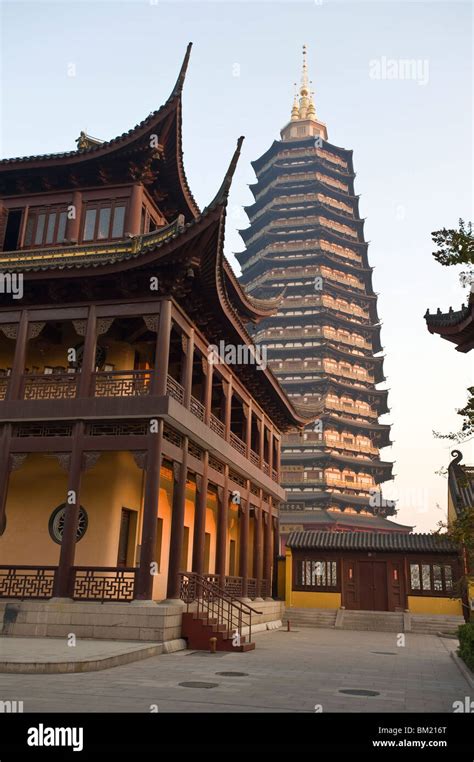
(124,384)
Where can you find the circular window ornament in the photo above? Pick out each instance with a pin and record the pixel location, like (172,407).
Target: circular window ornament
(56,523)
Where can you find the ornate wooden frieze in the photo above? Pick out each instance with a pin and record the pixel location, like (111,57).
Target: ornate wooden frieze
(42,429)
(117,428)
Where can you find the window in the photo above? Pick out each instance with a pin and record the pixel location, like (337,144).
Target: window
(104,221)
(316,574)
(45,227)
(56,523)
(431,578)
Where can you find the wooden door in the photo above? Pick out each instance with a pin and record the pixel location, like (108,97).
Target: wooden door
(373,594)
(124,536)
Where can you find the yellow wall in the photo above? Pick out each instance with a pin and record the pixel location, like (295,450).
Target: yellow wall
(288,577)
(315,600)
(418,604)
(281,579)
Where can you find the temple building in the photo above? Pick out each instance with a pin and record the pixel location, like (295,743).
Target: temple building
(136,463)
(305,247)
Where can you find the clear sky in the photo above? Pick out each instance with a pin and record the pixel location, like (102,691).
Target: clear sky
(412,143)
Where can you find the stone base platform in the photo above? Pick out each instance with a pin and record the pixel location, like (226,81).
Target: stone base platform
(138,621)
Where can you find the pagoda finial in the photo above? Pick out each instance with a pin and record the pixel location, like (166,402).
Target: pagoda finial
(304,89)
(295,111)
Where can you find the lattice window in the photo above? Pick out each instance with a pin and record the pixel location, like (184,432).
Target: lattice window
(56,523)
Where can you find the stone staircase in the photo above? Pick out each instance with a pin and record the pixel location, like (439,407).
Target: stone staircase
(199,628)
(433,624)
(310,617)
(375,621)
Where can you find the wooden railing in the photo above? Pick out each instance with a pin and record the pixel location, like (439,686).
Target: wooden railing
(102,583)
(237,443)
(174,389)
(49,386)
(216,425)
(208,598)
(121,383)
(3,388)
(20,581)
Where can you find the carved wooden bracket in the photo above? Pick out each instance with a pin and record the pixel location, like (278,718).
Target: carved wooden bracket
(176,470)
(16,460)
(9,329)
(140,458)
(34,329)
(152,322)
(63,458)
(80,327)
(89,459)
(103,325)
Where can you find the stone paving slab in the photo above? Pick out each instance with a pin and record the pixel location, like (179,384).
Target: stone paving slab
(54,655)
(288,672)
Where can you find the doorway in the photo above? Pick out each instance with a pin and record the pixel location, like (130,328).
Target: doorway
(373,586)
(12,231)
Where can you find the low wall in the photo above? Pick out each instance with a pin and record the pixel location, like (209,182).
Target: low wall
(148,621)
(418,604)
(315,600)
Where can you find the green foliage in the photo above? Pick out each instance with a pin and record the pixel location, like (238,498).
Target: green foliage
(467,429)
(466,644)
(461,532)
(455,247)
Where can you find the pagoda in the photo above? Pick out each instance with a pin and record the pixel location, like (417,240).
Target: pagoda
(305,246)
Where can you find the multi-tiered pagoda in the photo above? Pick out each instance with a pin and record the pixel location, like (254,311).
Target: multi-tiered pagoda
(305,244)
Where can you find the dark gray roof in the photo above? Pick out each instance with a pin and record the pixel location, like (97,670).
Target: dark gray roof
(389,542)
(366,523)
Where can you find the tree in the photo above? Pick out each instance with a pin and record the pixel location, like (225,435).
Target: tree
(456,247)
(461,532)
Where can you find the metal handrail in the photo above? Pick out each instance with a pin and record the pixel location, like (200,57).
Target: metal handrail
(210,599)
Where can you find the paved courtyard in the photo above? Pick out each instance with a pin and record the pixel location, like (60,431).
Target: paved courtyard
(288,672)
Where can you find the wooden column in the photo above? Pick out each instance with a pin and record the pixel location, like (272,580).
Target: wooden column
(267,549)
(248,430)
(261,441)
(276,550)
(88,358)
(277,465)
(5,436)
(177,523)
(208,392)
(62,588)
(244,545)
(73,225)
(144,578)
(19,359)
(200,517)
(228,407)
(222,525)
(257,546)
(270,452)
(162,350)
(134,215)
(21,235)
(187,372)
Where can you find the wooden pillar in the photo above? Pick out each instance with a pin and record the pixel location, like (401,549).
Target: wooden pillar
(134,215)
(277,465)
(208,392)
(73,225)
(200,517)
(261,441)
(267,550)
(187,372)
(144,578)
(257,546)
(248,430)
(222,525)
(5,437)
(21,235)
(177,523)
(244,546)
(88,358)
(270,452)
(162,350)
(228,407)
(276,551)
(19,359)
(61,588)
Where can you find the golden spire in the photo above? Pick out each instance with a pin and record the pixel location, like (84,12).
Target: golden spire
(304,89)
(295,111)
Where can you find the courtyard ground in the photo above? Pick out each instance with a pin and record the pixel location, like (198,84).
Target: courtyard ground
(301,671)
